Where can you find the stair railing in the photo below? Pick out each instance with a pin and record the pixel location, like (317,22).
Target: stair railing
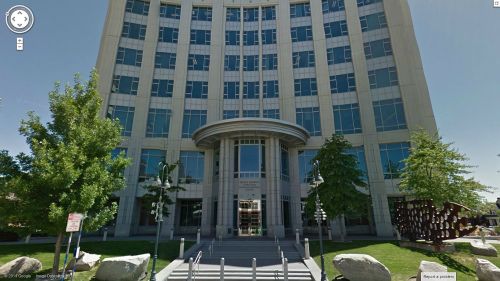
(196,264)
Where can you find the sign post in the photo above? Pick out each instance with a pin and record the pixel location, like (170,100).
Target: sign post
(73,225)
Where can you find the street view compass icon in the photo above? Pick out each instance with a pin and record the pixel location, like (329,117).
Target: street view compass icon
(19,19)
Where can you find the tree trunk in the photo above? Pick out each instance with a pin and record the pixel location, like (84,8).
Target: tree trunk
(342,228)
(57,253)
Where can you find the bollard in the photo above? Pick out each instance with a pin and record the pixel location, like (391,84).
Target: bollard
(306,248)
(190,271)
(282,255)
(279,250)
(171,234)
(221,269)
(285,269)
(198,237)
(105,235)
(297,236)
(254,269)
(181,249)
(329,234)
(27,240)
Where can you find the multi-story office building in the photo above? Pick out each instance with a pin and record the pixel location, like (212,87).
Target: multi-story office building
(244,92)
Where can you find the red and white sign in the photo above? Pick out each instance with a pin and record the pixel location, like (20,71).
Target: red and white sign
(74,220)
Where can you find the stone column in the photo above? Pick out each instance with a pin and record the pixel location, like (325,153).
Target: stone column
(220,228)
(295,207)
(277,227)
(206,215)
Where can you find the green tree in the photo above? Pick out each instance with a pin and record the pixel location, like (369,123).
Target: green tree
(70,168)
(434,170)
(342,192)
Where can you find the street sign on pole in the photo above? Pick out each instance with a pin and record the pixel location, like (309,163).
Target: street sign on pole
(74,220)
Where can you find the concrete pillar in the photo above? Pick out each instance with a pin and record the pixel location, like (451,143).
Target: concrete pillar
(198,236)
(181,249)
(221,269)
(306,248)
(190,269)
(297,236)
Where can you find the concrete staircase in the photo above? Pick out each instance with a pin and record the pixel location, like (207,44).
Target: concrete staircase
(238,255)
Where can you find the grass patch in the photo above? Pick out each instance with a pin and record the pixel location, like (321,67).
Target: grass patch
(167,251)
(402,262)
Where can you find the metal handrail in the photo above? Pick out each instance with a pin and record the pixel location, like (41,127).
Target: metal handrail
(196,264)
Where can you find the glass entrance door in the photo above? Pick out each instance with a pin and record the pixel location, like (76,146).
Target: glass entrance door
(249,218)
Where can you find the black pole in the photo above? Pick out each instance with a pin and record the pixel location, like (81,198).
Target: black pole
(159,219)
(319,220)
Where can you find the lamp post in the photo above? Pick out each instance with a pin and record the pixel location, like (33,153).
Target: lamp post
(163,183)
(320,215)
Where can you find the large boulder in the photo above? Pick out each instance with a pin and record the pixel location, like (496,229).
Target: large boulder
(357,267)
(486,271)
(85,262)
(429,266)
(478,248)
(126,268)
(20,266)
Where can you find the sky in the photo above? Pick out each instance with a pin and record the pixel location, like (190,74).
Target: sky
(459,42)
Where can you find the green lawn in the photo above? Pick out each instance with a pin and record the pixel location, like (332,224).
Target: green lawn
(402,262)
(167,252)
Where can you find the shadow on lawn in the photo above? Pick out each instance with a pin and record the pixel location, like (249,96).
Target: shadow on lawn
(447,260)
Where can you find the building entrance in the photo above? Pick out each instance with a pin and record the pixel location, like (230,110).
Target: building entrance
(249,218)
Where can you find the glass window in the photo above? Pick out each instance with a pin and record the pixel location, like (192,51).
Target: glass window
(301,33)
(231,90)
(347,119)
(250,37)
(384,77)
(232,63)
(233,14)
(196,89)
(150,158)
(125,85)
(251,14)
(230,114)
(300,10)
(251,113)
(129,56)
(342,83)
(165,60)
(198,62)
(251,63)
(305,87)
(372,22)
(308,117)
(137,7)
(303,59)
(249,159)
(268,36)
(251,90)
(272,113)
(134,31)
(170,11)
(269,13)
(270,62)
(233,38)
(339,55)
(116,151)
(162,88)
(305,164)
(202,14)
(335,29)
(359,153)
(191,167)
(271,89)
(125,116)
(392,156)
(389,115)
(378,48)
(158,123)
(192,120)
(330,6)
(168,34)
(200,37)
(285,162)
(190,214)
(367,2)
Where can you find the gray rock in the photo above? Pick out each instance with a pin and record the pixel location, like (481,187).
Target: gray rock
(486,271)
(20,266)
(478,248)
(357,267)
(85,262)
(126,268)
(429,266)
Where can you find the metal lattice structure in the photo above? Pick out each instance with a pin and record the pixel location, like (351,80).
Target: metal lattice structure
(420,219)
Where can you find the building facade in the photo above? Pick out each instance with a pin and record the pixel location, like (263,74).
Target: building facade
(244,92)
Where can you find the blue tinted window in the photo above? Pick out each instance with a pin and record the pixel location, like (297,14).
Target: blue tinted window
(269,13)
(373,21)
(342,83)
(165,60)
(272,113)
(192,120)
(230,114)
(129,56)
(301,33)
(233,14)
(134,31)
(270,89)
(250,90)
(330,6)
(308,117)
(162,88)
(359,153)
(251,113)
(367,2)
(335,29)
(200,37)
(305,164)
(269,62)
(233,38)
(191,167)
(347,119)
(231,90)
(250,38)
(168,34)
(116,151)
(389,115)
(378,48)
(300,10)
(158,123)
(339,55)
(125,85)
(392,156)
(150,158)
(137,7)
(305,87)
(170,11)
(125,116)
(232,63)
(303,59)
(202,14)
(198,62)
(197,89)
(251,14)
(384,77)
(268,36)
(251,63)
